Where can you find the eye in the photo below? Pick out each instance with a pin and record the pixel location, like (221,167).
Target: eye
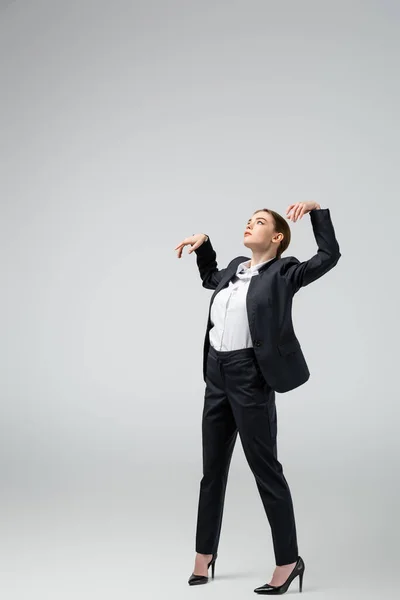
(259,221)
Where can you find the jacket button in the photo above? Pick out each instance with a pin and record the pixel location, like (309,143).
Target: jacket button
(257,343)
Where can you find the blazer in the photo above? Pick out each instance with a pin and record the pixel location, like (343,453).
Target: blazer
(269,302)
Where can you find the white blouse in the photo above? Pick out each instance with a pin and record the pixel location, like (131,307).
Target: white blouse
(230,329)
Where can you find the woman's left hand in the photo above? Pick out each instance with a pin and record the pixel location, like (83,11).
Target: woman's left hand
(296,211)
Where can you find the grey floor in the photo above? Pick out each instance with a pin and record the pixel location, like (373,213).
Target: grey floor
(129,533)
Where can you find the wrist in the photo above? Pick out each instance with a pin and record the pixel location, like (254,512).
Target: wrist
(205,236)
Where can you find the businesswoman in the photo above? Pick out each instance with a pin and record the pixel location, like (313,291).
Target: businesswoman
(250,352)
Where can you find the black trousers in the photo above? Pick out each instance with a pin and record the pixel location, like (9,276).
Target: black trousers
(238,399)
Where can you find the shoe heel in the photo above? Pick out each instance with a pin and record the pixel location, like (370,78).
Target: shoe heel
(301,581)
(212,564)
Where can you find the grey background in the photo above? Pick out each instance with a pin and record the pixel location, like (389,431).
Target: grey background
(125,127)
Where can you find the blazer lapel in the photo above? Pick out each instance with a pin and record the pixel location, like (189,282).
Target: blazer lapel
(226,278)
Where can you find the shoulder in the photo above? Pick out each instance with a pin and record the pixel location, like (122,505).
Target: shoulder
(289,260)
(286,262)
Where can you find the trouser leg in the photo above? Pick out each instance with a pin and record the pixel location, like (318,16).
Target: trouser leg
(254,409)
(219,433)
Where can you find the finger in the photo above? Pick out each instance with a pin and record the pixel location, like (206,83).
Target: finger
(183,243)
(179,249)
(297,211)
(289,208)
(293,210)
(196,245)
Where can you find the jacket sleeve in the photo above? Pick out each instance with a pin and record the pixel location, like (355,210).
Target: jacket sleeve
(207,264)
(300,274)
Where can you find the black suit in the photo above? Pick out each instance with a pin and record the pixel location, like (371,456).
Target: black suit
(269,302)
(241,385)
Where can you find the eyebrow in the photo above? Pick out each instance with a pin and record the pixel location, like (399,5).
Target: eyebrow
(257,219)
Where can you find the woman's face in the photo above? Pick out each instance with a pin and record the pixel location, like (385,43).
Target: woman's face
(261,228)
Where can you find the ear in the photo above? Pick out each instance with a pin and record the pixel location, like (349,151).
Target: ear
(278,237)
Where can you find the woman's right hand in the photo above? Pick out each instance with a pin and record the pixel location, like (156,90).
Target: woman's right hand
(194,241)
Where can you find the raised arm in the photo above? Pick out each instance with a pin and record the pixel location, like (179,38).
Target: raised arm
(206,259)
(300,274)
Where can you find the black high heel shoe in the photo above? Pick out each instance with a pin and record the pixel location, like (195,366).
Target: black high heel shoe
(298,570)
(198,579)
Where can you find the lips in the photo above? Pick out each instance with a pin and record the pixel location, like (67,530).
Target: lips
(247,233)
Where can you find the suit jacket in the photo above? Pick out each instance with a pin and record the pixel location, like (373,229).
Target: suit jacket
(269,302)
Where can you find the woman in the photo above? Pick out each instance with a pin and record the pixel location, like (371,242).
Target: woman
(250,352)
